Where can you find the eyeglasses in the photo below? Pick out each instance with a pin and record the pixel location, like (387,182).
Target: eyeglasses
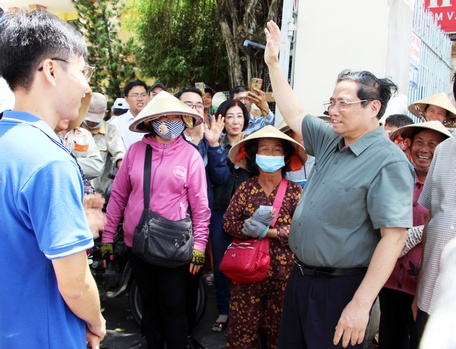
(342,105)
(137,95)
(197,106)
(87,71)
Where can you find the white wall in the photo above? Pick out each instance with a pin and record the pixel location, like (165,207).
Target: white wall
(333,35)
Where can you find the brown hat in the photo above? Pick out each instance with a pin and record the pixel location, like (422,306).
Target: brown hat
(97,108)
(165,104)
(440,100)
(85,104)
(409,131)
(238,154)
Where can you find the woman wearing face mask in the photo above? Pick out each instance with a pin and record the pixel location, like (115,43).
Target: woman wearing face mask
(177,186)
(257,307)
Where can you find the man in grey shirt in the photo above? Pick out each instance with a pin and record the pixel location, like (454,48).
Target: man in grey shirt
(350,225)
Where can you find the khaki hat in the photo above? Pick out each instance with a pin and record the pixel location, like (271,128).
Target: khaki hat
(409,131)
(97,108)
(238,154)
(85,104)
(165,104)
(440,100)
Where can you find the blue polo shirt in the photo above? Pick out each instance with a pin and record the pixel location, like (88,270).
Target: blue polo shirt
(41,219)
(351,193)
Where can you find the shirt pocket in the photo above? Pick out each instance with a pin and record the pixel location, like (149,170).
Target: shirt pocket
(345,206)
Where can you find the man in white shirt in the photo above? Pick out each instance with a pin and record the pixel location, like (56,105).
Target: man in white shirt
(137,98)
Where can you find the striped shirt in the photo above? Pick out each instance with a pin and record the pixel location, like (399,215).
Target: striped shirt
(439,196)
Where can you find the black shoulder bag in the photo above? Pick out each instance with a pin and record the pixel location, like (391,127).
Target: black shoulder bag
(157,240)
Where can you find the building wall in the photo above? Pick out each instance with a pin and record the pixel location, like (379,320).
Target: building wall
(334,35)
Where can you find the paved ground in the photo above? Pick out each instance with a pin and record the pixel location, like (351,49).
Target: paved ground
(123,333)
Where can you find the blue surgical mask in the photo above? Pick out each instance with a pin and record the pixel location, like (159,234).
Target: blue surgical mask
(95,127)
(168,129)
(270,164)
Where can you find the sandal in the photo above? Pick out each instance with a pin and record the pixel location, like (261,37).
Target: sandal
(219,326)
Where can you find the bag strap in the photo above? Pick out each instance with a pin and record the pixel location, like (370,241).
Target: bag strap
(279,199)
(146,189)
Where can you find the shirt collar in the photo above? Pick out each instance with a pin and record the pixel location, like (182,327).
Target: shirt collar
(365,141)
(24,117)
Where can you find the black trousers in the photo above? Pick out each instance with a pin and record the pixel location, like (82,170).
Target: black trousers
(397,326)
(164,293)
(312,308)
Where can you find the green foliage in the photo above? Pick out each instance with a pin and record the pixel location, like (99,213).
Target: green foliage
(113,59)
(180,42)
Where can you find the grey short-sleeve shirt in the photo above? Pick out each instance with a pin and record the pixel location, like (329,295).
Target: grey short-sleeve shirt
(352,193)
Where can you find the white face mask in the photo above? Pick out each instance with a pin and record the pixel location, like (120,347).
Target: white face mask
(168,129)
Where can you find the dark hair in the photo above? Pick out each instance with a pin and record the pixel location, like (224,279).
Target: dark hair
(398,120)
(27,38)
(132,84)
(237,89)
(208,89)
(370,87)
(188,89)
(251,147)
(229,103)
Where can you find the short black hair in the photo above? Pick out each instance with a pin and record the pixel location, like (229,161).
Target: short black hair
(28,37)
(188,89)
(132,84)
(398,120)
(370,87)
(236,90)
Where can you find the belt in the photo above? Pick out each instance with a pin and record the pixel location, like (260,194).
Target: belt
(307,270)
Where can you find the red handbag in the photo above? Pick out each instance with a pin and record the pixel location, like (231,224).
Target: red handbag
(248,261)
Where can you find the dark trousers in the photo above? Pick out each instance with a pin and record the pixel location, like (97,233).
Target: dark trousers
(163,294)
(421,320)
(397,326)
(220,241)
(312,308)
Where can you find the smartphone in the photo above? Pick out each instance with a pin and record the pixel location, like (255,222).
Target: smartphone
(200,86)
(256,83)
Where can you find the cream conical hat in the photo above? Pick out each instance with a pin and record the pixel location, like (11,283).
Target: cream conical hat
(266,132)
(283,126)
(409,131)
(164,104)
(440,100)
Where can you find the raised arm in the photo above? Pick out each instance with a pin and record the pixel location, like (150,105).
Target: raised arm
(290,107)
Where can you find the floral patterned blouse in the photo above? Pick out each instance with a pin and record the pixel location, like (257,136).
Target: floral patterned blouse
(247,198)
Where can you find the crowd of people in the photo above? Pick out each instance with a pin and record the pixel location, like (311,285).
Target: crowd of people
(366,210)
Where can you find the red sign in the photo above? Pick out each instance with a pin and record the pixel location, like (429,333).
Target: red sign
(444,12)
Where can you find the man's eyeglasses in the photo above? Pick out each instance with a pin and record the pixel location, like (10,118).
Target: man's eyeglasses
(342,105)
(197,106)
(137,95)
(87,71)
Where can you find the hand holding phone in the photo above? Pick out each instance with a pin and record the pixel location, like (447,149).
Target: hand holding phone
(255,83)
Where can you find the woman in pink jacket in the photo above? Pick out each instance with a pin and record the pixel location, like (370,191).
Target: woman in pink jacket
(178,186)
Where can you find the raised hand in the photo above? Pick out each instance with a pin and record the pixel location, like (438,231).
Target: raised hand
(273,38)
(213,134)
